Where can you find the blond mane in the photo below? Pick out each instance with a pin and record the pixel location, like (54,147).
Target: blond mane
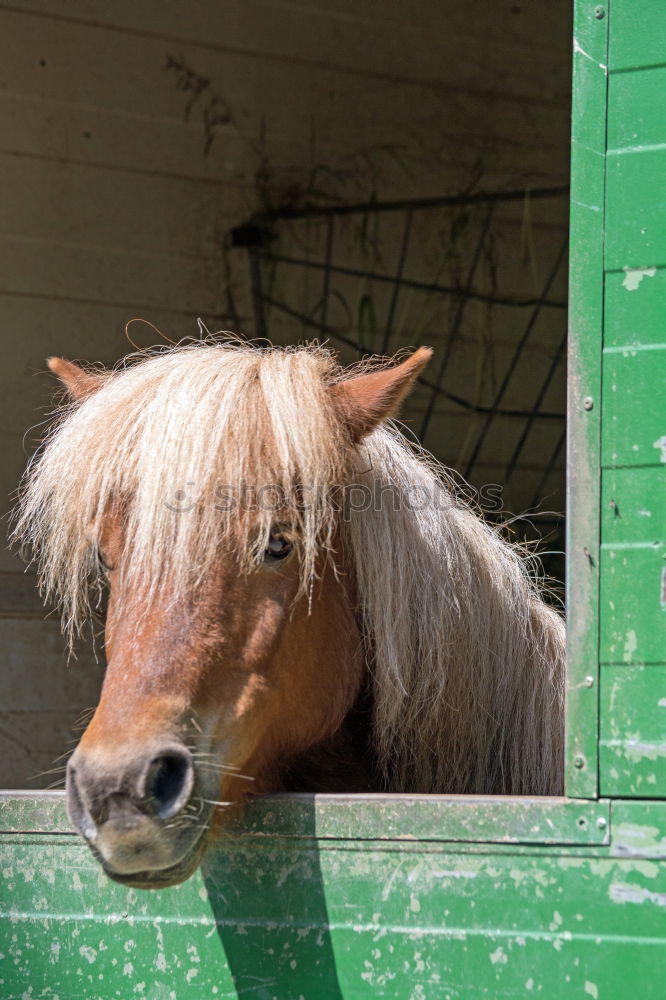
(466,659)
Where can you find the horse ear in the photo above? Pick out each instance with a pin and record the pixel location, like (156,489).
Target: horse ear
(79,383)
(366,400)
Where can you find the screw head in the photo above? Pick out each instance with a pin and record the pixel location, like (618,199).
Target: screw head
(588,403)
(599,12)
(601,823)
(589,681)
(579,760)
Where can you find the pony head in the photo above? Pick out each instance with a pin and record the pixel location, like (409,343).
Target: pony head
(204,489)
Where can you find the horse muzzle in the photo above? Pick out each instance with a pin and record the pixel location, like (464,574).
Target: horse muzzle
(142,814)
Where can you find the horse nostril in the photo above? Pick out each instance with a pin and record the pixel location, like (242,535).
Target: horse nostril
(169,782)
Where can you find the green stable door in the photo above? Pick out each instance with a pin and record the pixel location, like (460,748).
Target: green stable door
(435,898)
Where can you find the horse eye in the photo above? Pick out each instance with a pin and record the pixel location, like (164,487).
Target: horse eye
(278,547)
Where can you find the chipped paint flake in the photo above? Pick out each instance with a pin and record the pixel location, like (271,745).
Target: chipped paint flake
(636,894)
(586,55)
(591,989)
(499,956)
(660,443)
(630,646)
(634,275)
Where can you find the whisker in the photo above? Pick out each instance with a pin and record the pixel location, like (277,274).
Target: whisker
(224,770)
(45,774)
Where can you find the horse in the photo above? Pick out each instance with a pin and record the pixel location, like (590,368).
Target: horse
(297,597)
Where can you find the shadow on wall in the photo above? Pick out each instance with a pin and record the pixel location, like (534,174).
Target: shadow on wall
(270,910)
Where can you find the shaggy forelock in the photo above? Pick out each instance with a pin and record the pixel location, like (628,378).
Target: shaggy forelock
(182,441)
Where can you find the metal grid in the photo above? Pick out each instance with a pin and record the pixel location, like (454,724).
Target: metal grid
(363,277)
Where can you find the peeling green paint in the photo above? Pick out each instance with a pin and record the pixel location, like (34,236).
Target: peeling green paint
(289,915)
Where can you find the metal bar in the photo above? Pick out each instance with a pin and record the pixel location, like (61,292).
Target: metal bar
(258,299)
(478,198)
(422,286)
(537,403)
(428,383)
(397,281)
(330,225)
(514,360)
(453,336)
(549,466)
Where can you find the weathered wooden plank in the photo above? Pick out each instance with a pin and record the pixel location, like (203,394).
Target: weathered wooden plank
(633,566)
(637,38)
(633,506)
(634,307)
(56,129)
(88,205)
(636,211)
(60,57)
(32,743)
(634,401)
(36,649)
(639,829)
(633,602)
(588,146)
(19,597)
(137,281)
(43,695)
(323,35)
(52,58)
(636,110)
(42,812)
(472,819)
(632,752)
(431,818)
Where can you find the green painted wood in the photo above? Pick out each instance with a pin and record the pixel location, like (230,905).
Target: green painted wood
(636,210)
(639,829)
(633,731)
(283,917)
(637,34)
(636,110)
(588,147)
(633,505)
(470,819)
(633,566)
(634,406)
(634,308)
(42,812)
(632,756)
(633,603)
